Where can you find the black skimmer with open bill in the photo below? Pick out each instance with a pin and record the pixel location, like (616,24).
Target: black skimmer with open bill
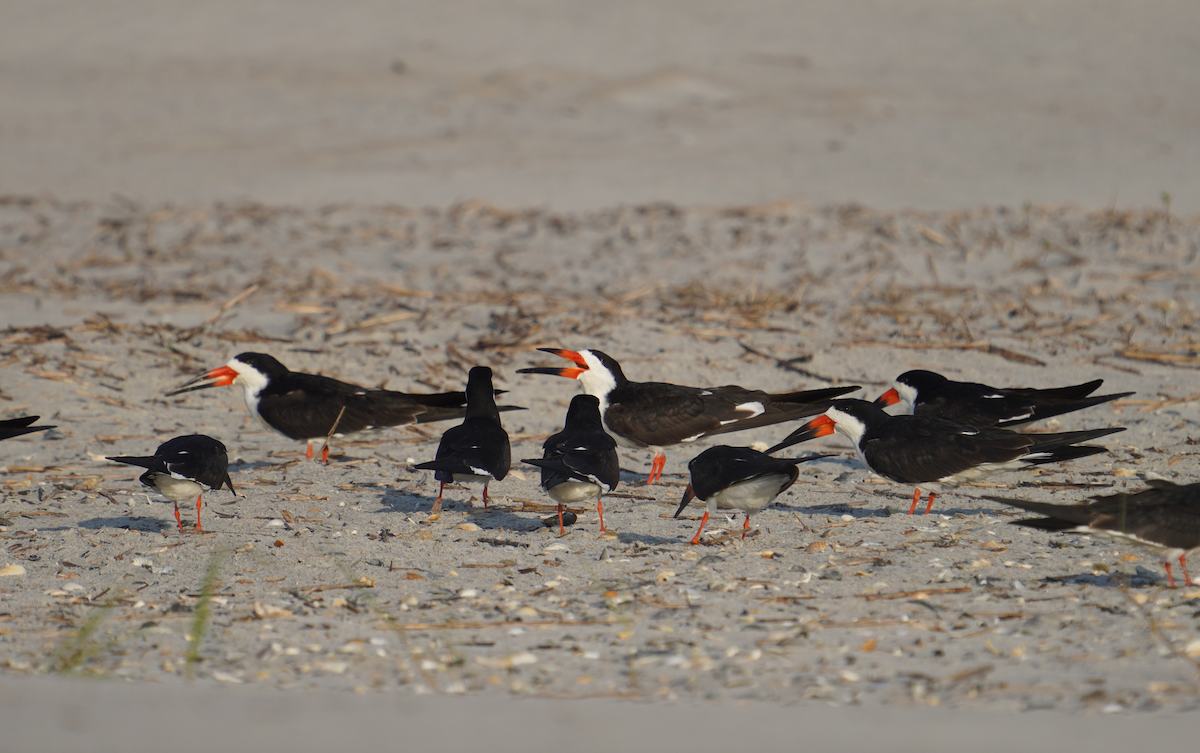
(310,406)
(1164,519)
(16,427)
(580,462)
(924,393)
(476,450)
(932,452)
(655,415)
(184,467)
(738,478)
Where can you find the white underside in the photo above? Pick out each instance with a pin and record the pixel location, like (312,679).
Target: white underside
(749,496)
(570,492)
(177,489)
(471,478)
(1166,552)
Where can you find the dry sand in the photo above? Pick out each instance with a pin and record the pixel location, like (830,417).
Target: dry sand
(199,212)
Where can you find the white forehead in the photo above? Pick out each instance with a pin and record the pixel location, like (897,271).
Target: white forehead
(846,424)
(907,394)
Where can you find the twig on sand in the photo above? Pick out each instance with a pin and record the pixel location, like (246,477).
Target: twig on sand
(189,334)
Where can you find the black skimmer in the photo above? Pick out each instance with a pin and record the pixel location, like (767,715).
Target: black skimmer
(654,415)
(1164,519)
(310,406)
(580,462)
(476,450)
(738,478)
(16,427)
(924,393)
(935,452)
(183,467)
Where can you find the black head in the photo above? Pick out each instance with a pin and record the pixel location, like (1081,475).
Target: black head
(921,380)
(263,363)
(584,411)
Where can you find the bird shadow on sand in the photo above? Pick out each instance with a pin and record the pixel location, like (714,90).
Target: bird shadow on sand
(496,516)
(129,523)
(1142,579)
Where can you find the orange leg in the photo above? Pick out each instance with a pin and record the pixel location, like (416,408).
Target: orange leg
(177,520)
(198,496)
(308,455)
(437,506)
(485,495)
(745,528)
(1183,566)
(561,529)
(917,498)
(656,468)
(696,538)
(1170,579)
(325,454)
(600,512)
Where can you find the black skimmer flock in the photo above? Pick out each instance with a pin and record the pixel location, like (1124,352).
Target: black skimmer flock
(477,450)
(310,406)
(580,462)
(934,452)
(183,467)
(1164,519)
(923,393)
(738,478)
(16,427)
(655,415)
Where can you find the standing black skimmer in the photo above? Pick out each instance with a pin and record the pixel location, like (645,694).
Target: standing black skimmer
(1164,519)
(654,415)
(580,462)
(934,452)
(925,393)
(15,427)
(476,450)
(738,478)
(310,406)
(185,466)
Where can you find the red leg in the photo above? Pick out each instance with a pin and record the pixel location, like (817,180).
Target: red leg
(177,520)
(600,512)
(437,506)
(325,454)
(916,499)
(930,505)
(1183,566)
(198,496)
(745,528)
(485,495)
(696,538)
(1170,578)
(308,455)
(656,468)
(561,529)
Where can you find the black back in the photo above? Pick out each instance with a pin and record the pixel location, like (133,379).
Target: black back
(195,456)
(478,445)
(983,405)
(582,451)
(1166,513)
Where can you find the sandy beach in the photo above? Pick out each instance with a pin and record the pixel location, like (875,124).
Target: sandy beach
(701,195)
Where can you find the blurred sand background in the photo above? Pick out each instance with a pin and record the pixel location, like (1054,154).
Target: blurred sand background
(931,104)
(125,107)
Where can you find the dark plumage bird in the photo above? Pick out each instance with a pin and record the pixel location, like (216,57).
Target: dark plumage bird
(738,478)
(183,467)
(654,415)
(580,462)
(925,393)
(16,427)
(934,452)
(476,450)
(1164,519)
(309,406)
